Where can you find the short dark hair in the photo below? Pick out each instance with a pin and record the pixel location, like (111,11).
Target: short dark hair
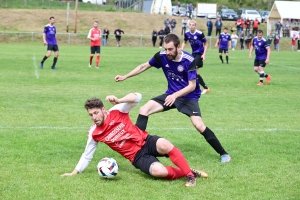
(172,38)
(51,18)
(96,22)
(93,103)
(225,28)
(260,31)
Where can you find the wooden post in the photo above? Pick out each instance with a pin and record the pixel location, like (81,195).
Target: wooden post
(76,9)
(68,13)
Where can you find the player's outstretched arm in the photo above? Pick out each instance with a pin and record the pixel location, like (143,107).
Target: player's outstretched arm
(129,98)
(139,69)
(183,45)
(250,51)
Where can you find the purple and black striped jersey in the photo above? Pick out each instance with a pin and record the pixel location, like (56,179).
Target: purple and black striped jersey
(196,40)
(50,32)
(261,47)
(224,38)
(177,73)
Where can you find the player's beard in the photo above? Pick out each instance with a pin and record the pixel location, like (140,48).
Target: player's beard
(172,57)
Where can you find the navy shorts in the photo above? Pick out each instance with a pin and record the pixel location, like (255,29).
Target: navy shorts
(95,49)
(223,50)
(261,63)
(51,47)
(188,107)
(198,60)
(146,156)
(118,38)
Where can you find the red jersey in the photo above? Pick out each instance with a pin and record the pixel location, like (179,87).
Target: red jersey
(120,134)
(95,33)
(255,23)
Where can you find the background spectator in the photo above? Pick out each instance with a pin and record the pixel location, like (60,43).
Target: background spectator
(242,36)
(278,26)
(173,25)
(276,41)
(218,25)
(209,27)
(234,38)
(184,25)
(154,37)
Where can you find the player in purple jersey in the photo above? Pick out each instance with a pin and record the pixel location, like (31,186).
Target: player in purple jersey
(222,42)
(50,40)
(183,90)
(199,46)
(262,52)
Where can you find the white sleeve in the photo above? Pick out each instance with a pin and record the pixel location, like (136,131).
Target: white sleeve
(90,34)
(126,107)
(87,155)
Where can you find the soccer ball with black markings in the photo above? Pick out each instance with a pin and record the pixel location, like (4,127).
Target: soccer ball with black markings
(107,168)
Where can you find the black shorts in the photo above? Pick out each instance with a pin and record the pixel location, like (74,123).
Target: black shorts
(51,47)
(261,63)
(118,38)
(221,50)
(95,49)
(146,156)
(198,60)
(188,107)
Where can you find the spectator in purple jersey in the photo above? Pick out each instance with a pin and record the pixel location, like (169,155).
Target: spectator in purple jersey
(222,42)
(183,90)
(50,40)
(199,47)
(262,52)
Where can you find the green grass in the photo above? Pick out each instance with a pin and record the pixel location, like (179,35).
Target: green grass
(43,127)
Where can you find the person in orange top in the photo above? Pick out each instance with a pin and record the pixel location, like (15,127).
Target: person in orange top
(95,37)
(242,25)
(255,24)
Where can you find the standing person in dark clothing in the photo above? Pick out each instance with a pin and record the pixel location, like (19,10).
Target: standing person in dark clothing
(247,26)
(167,30)
(242,38)
(118,33)
(218,25)
(161,35)
(209,27)
(105,37)
(154,37)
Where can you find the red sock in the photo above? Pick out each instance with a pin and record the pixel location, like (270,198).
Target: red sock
(174,173)
(179,160)
(97,60)
(91,59)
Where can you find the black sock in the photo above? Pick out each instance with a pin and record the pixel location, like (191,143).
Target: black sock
(221,58)
(45,58)
(201,81)
(227,59)
(266,75)
(261,77)
(54,62)
(213,141)
(141,122)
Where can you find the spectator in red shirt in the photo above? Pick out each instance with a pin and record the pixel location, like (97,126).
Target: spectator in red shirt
(255,24)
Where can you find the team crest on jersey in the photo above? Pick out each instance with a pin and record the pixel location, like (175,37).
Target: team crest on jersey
(195,37)
(167,65)
(180,68)
(259,43)
(112,123)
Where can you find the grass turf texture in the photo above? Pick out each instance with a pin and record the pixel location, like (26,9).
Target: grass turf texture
(43,128)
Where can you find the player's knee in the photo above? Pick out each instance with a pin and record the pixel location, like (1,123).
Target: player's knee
(158,170)
(144,110)
(163,146)
(200,126)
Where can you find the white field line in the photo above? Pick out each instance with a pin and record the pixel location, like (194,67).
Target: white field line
(286,66)
(154,128)
(36,72)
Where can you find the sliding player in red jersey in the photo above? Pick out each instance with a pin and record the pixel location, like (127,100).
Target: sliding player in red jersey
(115,128)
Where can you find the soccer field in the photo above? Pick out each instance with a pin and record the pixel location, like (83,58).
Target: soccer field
(43,127)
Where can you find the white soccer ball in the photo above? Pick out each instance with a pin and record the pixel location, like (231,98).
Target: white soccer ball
(107,167)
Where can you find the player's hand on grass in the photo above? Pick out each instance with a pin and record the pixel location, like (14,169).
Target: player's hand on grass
(68,174)
(120,78)
(112,99)
(169,101)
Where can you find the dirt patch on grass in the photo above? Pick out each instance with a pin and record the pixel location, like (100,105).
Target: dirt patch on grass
(132,23)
